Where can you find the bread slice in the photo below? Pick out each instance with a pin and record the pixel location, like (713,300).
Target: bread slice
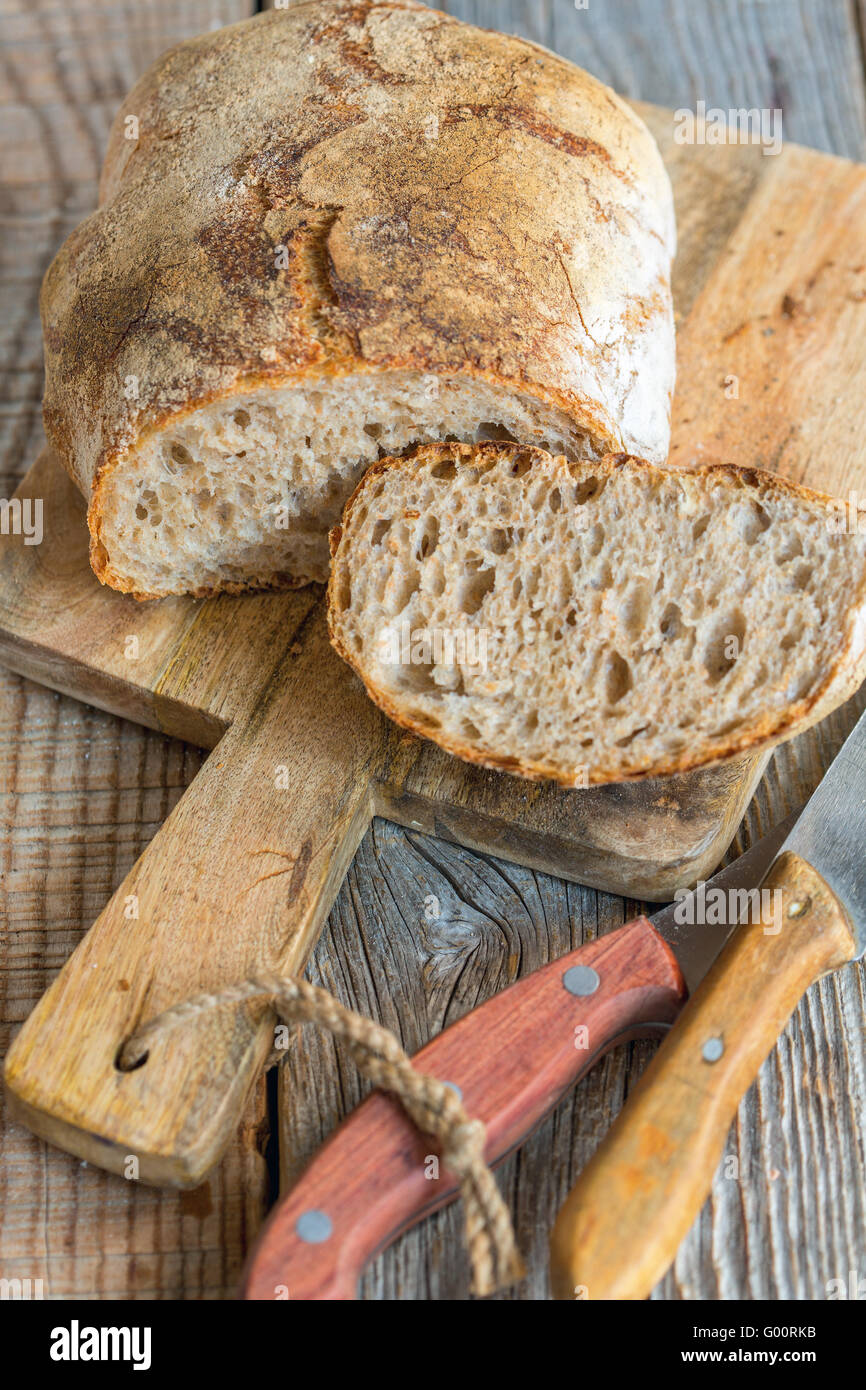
(595,622)
(329,232)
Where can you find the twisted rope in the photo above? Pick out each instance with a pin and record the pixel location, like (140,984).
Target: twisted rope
(431,1104)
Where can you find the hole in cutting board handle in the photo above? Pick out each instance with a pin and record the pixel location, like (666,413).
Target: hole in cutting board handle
(135,1065)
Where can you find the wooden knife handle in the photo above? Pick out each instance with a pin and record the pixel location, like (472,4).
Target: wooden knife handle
(512,1059)
(624,1219)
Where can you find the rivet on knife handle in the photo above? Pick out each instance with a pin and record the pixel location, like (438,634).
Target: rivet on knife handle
(511,1059)
(624,1219)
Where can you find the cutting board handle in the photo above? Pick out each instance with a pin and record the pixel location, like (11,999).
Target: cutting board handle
(238,880)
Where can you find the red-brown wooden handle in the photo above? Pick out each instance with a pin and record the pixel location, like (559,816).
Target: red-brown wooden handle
(512,1058)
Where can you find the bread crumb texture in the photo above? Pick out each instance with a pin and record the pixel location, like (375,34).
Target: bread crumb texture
(595,622)
(251,486)
(332,220)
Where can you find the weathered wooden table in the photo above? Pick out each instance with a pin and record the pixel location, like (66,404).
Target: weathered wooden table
(83,792)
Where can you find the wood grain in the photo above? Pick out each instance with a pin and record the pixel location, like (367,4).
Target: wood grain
(790,1221)
(765,322)
(786,1212)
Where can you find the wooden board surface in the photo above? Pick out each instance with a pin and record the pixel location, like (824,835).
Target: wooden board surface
(378,910)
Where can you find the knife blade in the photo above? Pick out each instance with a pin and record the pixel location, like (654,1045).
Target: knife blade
(831,833)
(650,1175)
(512,1059)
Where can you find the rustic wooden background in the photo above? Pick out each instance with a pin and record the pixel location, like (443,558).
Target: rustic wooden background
(82,792)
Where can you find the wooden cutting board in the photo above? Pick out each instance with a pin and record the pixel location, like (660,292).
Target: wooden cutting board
(770,287)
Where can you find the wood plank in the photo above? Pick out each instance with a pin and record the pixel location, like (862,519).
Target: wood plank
(418,971)
(788,296)
(786,1213)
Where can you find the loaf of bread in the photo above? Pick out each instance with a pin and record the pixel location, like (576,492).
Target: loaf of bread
(329,233)
(595,622)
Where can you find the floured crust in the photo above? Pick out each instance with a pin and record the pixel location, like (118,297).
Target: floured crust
(840,680)
(449,200)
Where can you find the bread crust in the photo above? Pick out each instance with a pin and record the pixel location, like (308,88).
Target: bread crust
(841,681)
(450,200)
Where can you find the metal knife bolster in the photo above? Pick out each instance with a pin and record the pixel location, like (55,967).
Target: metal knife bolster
(695,942)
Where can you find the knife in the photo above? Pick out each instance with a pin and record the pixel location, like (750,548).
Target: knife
(623,1221)
(511,1059)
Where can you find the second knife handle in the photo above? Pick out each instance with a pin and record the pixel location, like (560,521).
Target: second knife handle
(632,1205)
